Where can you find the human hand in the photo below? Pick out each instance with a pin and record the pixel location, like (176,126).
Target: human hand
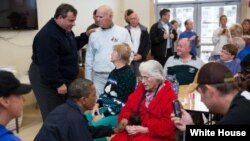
(95,110)
(90,31)
(165,35)
(171,36)
(137,57)
(62,89)
(223,32)
(237,77)
(134,129)
(122,125)
(185,119)
(192,38)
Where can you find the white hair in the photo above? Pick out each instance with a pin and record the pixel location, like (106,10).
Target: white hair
(107,9)
(153,68)
(238,42)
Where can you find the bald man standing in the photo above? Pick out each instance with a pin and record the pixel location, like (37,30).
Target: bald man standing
(98,55)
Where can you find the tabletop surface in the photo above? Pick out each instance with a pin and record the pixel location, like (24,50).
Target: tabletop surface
(191,101)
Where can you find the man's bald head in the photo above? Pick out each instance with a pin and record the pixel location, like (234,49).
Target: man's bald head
(104,16)
(183,47)
(105,9)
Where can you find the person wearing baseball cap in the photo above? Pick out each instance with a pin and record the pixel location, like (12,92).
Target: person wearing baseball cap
(11,102)
(220,94)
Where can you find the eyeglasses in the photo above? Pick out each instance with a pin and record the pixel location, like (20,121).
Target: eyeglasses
(225,52)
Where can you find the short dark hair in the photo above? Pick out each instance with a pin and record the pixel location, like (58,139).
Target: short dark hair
(232,49)
(223,88)
(222,17)
(173,22)
(186,21)
(94,12)
(63,9)
(164,11)
(244,21)
(129,12)
(80,88)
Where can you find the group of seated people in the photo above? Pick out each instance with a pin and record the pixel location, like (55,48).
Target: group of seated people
(147,112)
(144,111)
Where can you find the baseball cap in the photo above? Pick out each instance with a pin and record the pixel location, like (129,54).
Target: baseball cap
(10,85)
(211,73)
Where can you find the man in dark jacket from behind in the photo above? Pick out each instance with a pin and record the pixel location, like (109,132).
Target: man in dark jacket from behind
(68,123)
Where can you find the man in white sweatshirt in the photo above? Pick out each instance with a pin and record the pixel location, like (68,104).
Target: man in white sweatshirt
(98,63)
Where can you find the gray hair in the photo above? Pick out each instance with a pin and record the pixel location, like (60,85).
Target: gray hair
(239,42)
(153,68)
(80,88)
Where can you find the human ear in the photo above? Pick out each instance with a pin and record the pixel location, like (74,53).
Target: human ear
(4,101)
(211,91)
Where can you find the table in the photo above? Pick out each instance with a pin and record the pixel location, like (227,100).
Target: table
(191,101)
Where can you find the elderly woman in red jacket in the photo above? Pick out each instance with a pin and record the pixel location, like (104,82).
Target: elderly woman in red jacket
(146,114)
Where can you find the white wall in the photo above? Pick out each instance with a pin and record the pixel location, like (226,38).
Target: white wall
(245,10)
(140,7)
(15,46)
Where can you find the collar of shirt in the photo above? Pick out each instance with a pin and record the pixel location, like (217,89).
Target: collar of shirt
(164,24)
(105,28)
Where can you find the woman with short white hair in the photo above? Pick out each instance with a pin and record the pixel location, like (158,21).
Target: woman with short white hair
(146,114)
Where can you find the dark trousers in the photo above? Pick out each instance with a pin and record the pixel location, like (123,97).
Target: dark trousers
(46,96)
(162,59)
(135,67)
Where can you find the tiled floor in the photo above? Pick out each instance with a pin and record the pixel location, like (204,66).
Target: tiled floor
(31,124)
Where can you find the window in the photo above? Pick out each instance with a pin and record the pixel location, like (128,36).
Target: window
(205,15)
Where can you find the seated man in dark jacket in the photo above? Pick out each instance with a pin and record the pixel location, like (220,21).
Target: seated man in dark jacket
(67,122)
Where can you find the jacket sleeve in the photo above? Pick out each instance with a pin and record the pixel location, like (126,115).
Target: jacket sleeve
(175,35)
(215,37)
(130,106)
(100,131)
(79,130)
(163,125)
(146,45)
(82,40)
(48,58)
(89,60)
(156,36)
(165,68)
